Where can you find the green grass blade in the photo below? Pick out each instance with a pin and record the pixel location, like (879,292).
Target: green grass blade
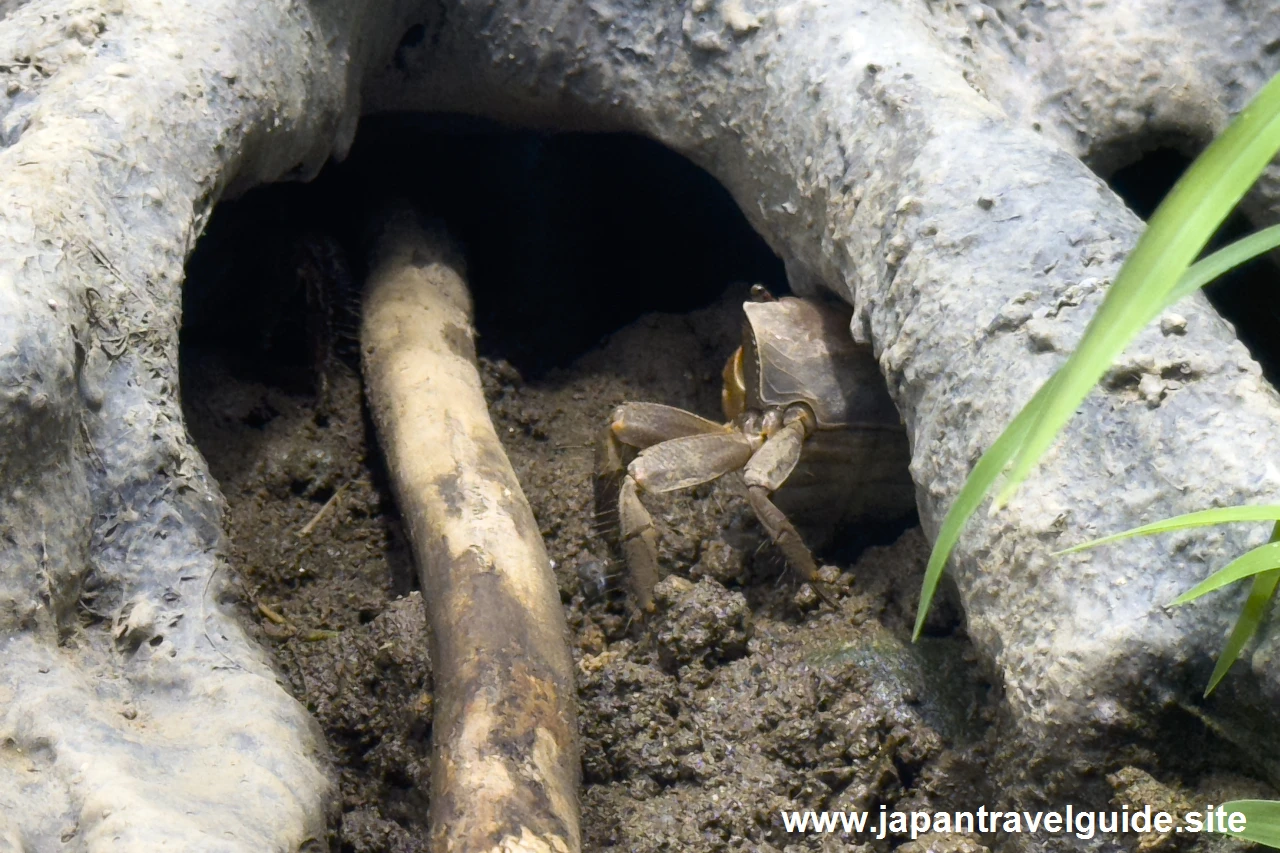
(1262,820)
(1255,607)
(1176,233)
(1251,615)
(1264,558)
(1203,518)
(1225,259)
(971,494)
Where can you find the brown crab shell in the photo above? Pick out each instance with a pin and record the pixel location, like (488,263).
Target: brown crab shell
(801,351)
(855,467)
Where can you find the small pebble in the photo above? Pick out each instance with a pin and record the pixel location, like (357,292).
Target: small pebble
(1173,324)
(1151,389)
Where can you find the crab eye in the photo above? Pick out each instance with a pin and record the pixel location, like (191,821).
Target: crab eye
(733,394)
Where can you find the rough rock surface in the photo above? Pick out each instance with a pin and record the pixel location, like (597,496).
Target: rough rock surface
(134,713)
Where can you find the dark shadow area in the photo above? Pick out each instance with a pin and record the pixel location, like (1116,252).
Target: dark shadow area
(1247,296)
(568,237)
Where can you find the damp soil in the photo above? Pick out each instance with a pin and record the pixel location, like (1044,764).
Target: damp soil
(745,695)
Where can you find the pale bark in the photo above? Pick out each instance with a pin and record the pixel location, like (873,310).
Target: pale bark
(504,769)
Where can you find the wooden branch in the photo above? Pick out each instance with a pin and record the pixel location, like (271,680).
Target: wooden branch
(505,759)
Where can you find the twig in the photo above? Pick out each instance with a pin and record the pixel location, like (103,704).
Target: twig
(306,635)
(310,525)
(273,615)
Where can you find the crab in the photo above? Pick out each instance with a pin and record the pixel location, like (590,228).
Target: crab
(808,418)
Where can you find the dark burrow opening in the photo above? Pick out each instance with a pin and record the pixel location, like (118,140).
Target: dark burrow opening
(568,237)
(1247,296)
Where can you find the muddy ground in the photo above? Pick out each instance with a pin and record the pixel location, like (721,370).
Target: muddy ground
(746,695)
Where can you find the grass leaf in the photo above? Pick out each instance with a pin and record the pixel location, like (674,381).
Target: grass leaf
(1264,558)
(1261,590)
(1203,518)
(971,494)
(1262,820)
(1251,615)
(1220,262)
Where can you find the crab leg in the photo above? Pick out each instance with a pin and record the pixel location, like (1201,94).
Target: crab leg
(764,474)
(642,425)
(772,464)
(639,543)
(638,425)
(676,464)
(784,534)
(678,449)
(691,461)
